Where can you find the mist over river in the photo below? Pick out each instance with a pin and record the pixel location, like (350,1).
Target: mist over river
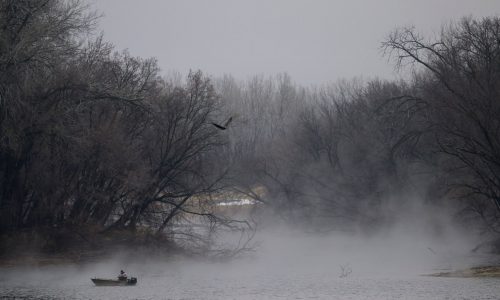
(284,149)
(284,266)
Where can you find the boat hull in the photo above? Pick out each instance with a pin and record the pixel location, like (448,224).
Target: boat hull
(113,282)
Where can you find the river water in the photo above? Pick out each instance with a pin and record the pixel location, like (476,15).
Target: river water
(216,282)
(281,269)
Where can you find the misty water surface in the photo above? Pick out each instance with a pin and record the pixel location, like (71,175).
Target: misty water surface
(285,266)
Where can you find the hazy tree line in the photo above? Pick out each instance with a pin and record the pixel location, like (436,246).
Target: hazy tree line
(354,152)
(94,137)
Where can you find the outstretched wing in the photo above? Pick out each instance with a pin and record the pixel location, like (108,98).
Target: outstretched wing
(228,122)
(218,126)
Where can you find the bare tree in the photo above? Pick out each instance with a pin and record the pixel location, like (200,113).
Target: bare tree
(462,92)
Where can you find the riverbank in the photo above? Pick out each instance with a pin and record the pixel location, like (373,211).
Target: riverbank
(67,246)
(475,272)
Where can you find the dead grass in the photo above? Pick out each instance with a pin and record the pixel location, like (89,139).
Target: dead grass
(68,246)
(476,272)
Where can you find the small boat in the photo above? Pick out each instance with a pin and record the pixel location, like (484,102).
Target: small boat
(114,282)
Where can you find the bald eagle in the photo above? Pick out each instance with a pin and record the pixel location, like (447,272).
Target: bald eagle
(224,126)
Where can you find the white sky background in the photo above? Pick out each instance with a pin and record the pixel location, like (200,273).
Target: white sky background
(315,41)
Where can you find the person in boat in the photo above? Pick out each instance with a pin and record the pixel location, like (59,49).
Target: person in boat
(122,276)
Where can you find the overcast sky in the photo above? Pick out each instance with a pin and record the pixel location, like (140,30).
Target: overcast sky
(315,41)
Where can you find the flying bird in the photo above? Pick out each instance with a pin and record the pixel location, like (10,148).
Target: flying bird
(225,125)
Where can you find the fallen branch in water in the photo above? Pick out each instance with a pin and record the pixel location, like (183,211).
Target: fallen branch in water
(345,270)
